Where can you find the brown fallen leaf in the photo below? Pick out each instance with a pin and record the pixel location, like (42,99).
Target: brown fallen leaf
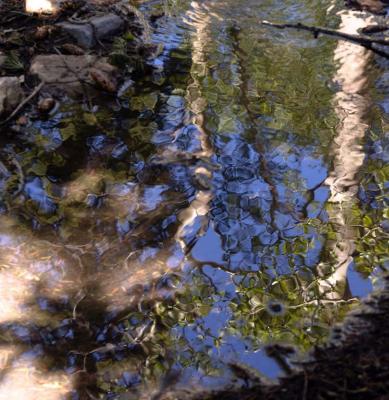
(103,80)
(72,49)
(22,120)
(42,32)
(45,105)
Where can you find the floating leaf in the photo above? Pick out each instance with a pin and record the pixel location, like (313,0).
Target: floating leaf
(103,80)
(367,221)
(129,36)
(39,169)
(68,131)
(226,124)
(90,119)
(144,102)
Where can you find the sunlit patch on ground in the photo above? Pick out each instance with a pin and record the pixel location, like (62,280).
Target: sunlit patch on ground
(40,6)
(21,379)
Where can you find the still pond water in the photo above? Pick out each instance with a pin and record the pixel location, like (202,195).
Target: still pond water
(236,198)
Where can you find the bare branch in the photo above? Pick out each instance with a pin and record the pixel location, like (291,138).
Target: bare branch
(363,40)
(24,102)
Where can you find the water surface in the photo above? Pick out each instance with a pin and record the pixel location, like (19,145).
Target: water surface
(236,198)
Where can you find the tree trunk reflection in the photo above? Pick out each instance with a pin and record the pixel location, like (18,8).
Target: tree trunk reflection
(352,103)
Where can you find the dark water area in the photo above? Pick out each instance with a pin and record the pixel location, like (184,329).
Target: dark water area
(235,198)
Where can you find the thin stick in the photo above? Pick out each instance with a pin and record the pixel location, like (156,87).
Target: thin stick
(305,390)
(363,40)
(316,30)
(24,102)
(21,176)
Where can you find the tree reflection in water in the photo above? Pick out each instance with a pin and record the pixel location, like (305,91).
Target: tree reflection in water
(351,104)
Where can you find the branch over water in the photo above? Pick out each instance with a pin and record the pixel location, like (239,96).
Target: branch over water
(363,40)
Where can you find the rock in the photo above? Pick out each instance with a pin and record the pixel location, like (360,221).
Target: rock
(107,25)
(11,94)
(68,73)
(62,70)
(82,33)
(69,48)
(97,28)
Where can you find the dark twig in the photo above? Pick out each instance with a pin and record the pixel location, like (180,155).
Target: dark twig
(23,103)
(316,30)
(363,40)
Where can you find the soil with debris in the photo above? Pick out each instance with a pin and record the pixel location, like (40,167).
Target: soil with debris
(81,48)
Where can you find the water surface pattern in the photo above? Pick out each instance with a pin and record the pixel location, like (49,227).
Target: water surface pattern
(235,198)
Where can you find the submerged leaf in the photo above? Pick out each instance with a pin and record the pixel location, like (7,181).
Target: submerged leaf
(144,102)
(90,119)
(68,132)
(103,80)
(39,169)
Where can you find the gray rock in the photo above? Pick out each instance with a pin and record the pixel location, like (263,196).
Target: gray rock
(62,70)
(11,93)
(97,28)
(68,73)
(82,33)
(107,25)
